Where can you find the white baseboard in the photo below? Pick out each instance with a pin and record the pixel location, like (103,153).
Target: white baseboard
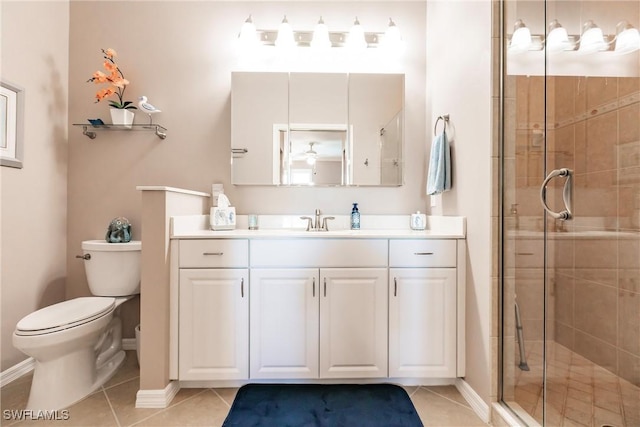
(128,343)
(16,371)
(478,405)
(157,398)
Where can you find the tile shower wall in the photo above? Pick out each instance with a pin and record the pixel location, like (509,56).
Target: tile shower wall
(594,130)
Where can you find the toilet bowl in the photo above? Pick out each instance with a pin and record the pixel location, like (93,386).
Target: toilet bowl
(77,344)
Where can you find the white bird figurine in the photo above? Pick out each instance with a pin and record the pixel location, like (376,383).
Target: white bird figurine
(147,108)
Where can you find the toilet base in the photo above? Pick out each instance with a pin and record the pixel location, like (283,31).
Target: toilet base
(67,391)
(60,382)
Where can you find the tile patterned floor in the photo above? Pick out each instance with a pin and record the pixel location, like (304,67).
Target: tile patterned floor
(579,392)
(114,405)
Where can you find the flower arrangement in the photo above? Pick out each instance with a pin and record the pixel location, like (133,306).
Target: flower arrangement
(115,78)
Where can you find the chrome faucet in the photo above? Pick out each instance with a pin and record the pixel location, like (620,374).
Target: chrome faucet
(318,223)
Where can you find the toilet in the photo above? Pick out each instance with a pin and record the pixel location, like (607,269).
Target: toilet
(77,344)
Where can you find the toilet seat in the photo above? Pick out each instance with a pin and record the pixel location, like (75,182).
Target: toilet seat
(65,315)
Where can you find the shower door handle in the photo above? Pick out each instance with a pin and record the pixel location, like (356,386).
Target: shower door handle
(566,194)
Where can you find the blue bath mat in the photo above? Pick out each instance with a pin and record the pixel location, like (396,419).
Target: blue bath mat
(319,405)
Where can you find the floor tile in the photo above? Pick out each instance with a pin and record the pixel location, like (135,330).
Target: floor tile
(127,371)
(92,411)
(227,394)
(449,392)
(435,410)
(203,409)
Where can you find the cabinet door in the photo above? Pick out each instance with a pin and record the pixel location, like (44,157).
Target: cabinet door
(353,323)
(259,119)
(284,323)
(422,322)
(214,324)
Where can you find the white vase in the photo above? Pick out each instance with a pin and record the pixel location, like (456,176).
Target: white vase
(121,116)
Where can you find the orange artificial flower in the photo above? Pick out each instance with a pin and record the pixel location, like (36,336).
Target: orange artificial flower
(115,78)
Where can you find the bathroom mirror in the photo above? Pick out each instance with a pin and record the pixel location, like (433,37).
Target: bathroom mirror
(322,129)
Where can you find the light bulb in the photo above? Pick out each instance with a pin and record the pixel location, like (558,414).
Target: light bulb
(321,39)
(557,39)
(248,37)
(521,38)
(592,39)
(627,38)
(392,39)
(285,38)
(356,41)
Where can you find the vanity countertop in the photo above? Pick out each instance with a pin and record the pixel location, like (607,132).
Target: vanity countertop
(290,226)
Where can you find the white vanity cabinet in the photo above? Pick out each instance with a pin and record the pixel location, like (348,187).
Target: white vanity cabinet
(213,315)
(260,306)
(329,321)
(423,296)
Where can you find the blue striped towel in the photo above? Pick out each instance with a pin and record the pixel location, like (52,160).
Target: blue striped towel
(439,176)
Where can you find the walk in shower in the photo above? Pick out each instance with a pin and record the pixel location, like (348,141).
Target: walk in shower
(570,276)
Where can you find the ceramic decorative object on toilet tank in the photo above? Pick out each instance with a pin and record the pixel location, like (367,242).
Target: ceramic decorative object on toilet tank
(121,113)
(119,230)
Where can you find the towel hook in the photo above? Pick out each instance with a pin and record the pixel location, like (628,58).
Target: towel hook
(445,118)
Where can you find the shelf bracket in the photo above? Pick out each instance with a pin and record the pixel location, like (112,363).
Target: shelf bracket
(86,131)
(161,134)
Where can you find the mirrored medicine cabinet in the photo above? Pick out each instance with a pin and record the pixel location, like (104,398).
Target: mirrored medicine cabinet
(321,129)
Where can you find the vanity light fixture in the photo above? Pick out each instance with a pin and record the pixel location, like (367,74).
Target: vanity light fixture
(356,40)
(627,38)
(592,39)
(285,38)
(321,40)
(521,39)
(557,38)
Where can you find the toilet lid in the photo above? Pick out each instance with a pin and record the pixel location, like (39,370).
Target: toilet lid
(66,314)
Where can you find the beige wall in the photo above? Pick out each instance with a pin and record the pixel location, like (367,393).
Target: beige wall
(34,198)
(180,55)
(459,84)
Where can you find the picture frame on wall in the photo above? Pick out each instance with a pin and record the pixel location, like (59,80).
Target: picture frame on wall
(11,125)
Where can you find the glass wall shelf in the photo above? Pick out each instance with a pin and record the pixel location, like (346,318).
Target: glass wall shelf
(91,130)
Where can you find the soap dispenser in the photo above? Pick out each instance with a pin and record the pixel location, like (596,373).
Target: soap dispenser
(355,217)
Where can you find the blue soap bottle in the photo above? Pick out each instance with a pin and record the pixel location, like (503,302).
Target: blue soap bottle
(355,217)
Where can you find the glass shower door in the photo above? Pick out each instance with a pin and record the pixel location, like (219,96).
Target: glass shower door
(571,288)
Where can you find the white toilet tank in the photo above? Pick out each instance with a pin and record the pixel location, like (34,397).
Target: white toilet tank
(114,268)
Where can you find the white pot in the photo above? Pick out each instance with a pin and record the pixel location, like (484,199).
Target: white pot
(120,116)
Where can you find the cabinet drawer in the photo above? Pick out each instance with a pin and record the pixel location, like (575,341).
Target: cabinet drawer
(211,253)
(319,253)
(422,253)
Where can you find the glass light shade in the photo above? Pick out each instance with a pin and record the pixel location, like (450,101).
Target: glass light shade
(311,160)
(627,40)
(285,39)
(521,39)
(356,40)
(392,38)
(248,37)
(320,38)
(592,39)
(557,39)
